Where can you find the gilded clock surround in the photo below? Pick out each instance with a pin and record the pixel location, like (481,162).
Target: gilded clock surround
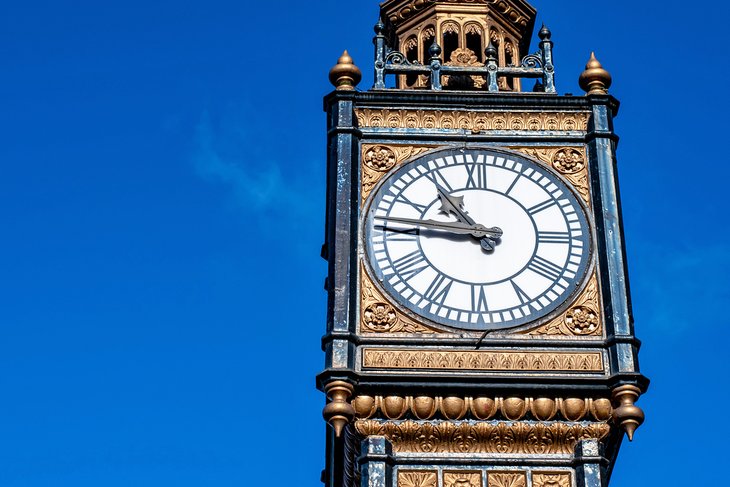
(379,314)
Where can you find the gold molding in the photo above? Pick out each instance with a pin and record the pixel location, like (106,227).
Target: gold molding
(483,437)
(506,479)
(377,160)
(483,408)
(462,478)
(582,318)
(481,360)
(472,121)
(378,315)
(417,478)
(551,479)
(569,162)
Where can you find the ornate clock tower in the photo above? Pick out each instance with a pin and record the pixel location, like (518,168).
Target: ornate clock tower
(479,330)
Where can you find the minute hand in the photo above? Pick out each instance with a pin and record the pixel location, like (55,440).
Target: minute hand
(475,230)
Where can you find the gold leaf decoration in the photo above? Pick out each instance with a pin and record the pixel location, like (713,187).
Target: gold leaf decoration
(378,160)
(551,479)
(583,318)
(483,437)
(473,121)
(506,479)
(462,479)
(413,478)
(419,359)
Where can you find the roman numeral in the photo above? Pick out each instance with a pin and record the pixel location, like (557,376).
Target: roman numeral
(439,180)
(393,235)
(541,207)
(401,198)
(479,300)
(512,186)
(438,290)
(410,265)
(553,237)
(476,176)
(545,268)
(521,295)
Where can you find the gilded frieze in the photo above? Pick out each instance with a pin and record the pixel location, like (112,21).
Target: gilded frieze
(483,408)
(482,360)
(483,437)
(506,479)
(417,478)
(465,478)
(551,479)
(378,160)
(471,121)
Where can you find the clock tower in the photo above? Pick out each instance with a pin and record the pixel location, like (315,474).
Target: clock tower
(479,329)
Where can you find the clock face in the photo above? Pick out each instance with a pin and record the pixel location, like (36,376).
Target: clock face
(477,239)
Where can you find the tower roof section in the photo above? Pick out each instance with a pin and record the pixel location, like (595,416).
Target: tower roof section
(517,16)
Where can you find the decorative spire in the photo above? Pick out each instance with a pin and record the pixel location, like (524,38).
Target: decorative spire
(544,33)
(491,51)
(595,80)
(338,412)
(345,75)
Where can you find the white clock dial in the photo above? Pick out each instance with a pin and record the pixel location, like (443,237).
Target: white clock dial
(477,239)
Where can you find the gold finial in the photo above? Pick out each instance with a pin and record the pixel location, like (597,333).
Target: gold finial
(595,80)
(338,412)
(627,415)
(345,75)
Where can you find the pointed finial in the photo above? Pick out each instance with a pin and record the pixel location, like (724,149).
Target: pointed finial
(595,80)
(338,412)
(379,27)
(491,51)
(544,33)
(435,50)
(627,415)
(345,75)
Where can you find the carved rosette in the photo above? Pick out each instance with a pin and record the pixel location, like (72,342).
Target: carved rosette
(570,162)
(483,437)
(473,121)
(378,160)
(583,318)
(378,315)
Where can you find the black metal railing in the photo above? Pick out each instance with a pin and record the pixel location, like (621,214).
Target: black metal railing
(538,65)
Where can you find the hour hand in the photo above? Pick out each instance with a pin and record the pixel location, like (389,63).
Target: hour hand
(451,204)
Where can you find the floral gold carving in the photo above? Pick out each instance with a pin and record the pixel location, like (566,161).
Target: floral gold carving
(551,479)
(378,316)
(377,160)
(483,408)
(506,479)
(482,360)
(462,479)
(569,161)
(582,318)
(413,478)
(483,437)
(472,120)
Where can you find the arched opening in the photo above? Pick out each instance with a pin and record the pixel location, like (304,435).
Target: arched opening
(428,36)
(474,41)
(451,40)
(411,52)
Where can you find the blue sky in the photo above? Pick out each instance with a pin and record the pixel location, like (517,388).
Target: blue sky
(161,200)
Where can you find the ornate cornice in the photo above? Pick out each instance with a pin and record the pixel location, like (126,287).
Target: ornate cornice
(482,408)
(482,360)
(473,121)
(469,437)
